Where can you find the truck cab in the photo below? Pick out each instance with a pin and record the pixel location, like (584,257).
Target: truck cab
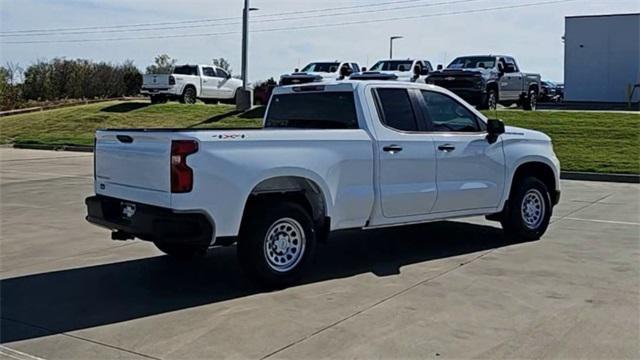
(321,71)
(488,80)
(409,70)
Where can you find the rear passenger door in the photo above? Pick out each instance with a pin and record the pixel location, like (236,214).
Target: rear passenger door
(470,170)
(405,155)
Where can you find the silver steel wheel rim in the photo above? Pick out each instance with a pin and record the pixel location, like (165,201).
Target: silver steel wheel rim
(284,244)
(533,209)
(533,102)
(190,97)
(492,101)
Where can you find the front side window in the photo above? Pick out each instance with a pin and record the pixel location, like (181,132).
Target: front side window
(208,71)
(221,73)
(448,115)
(317,110)
(355,67)
(395,109)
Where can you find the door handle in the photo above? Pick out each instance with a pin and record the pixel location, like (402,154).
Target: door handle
(392,149)
(446,148)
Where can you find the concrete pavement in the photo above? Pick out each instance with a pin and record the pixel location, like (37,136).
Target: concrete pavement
(443,290)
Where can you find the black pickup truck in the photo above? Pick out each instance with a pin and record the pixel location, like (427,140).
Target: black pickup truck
(488,80)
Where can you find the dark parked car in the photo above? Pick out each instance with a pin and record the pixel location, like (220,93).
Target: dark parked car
(551,92)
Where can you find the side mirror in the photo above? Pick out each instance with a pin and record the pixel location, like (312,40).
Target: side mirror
(424,71)
(495,128)
(417,70)
(364,68)
(440,66)
(296,70)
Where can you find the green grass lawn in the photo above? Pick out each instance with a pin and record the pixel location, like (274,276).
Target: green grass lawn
(584,141)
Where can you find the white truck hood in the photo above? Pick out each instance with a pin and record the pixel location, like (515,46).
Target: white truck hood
(527,134)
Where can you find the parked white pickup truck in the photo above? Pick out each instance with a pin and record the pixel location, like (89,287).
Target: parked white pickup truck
(321,71)
(411,70)
(187,83)
(351,154)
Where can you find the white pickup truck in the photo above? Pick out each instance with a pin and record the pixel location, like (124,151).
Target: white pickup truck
(350,154)
(410,70)
(187,83)
(321,71)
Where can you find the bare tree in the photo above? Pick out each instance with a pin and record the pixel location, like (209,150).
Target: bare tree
(223,64)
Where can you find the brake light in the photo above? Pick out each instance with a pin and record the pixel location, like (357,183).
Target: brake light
(181,173)
(172,80)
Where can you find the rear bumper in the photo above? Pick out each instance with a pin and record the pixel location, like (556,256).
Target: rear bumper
(147,222)
(159,91)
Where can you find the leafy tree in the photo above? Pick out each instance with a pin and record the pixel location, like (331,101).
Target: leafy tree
(163,64)
(223,64)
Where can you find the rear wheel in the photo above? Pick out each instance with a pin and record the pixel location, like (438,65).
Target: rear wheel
(528,211)
(276,243)
(188,96)
(181,251)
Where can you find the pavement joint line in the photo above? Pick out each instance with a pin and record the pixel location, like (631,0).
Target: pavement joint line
(45,158)
(18,355)
(12,182)
(604,221)
(53,332)
(379,302)
(579,209)
(45,174)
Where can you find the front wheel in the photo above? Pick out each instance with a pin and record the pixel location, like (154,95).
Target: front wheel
(276,243)
(530,103)
(529,210)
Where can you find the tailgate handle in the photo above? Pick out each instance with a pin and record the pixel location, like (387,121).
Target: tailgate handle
(125,139)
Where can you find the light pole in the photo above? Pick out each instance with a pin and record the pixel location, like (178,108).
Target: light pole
(391,45)
(245,101)
(245,41)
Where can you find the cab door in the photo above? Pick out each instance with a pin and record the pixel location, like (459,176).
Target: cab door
(406,175)
(470,169)
(210,83)
(511,81)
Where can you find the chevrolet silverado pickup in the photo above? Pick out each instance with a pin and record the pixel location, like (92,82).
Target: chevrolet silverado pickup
(410,70)
(187,83)
(489,80)
(324,71)
(330,156)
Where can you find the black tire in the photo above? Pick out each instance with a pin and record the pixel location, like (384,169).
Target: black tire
(490,101)
(528,211)
(279,261)
(155,99)
(236,97)
(530,102)
(189,96)
(181,251)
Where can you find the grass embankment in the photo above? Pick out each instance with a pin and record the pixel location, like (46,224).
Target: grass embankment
(587,141)
(584,141)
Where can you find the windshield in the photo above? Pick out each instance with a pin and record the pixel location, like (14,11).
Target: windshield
(318,110)
(328,67)
(473,62)
(392,65)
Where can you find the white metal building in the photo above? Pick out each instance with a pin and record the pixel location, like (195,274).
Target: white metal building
(602,57)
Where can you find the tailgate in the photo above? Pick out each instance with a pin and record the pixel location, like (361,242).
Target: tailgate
(155,81)
(134,166)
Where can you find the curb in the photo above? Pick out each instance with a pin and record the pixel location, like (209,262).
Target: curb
(588,176)
(565,175)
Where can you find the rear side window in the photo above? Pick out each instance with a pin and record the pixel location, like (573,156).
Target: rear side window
(318,110)
(186,70)
(396,110)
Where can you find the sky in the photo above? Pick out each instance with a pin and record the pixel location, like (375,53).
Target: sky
(437,30)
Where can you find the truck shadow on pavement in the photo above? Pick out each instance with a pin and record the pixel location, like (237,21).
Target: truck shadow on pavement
(43,304)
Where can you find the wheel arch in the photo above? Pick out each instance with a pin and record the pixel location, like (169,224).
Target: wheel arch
(298,189)
(190,85)
(540,170)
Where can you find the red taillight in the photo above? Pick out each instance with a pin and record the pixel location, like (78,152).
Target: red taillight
(172,80)
(181,173)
